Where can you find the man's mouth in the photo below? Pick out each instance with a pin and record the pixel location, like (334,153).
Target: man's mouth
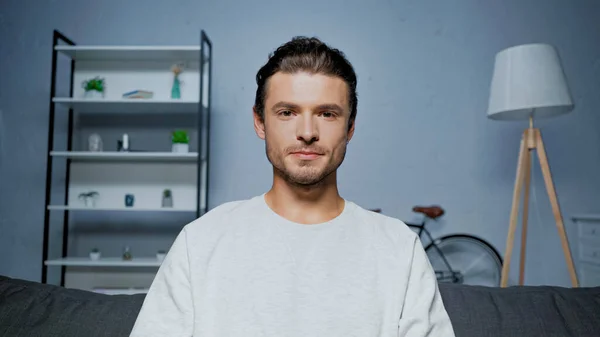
(306,155)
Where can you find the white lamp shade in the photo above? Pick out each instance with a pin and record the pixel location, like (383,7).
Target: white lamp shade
(528,81)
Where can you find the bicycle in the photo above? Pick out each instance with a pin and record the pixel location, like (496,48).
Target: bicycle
(455,257)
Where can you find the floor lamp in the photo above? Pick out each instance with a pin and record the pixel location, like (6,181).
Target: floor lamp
(529,83)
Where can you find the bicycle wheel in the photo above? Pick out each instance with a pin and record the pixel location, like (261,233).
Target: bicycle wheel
(465,259)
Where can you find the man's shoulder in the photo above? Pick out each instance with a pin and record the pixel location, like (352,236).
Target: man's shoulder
(222,214)
(392,228)
(227,208)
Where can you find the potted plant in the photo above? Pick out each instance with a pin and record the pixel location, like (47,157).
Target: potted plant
(127,254)
(180,141)
(167,199)
(93,88)
(87,196)
(95,254)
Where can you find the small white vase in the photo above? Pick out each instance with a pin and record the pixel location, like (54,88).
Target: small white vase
(95,256)
(180,148)
(167,202)
(93,94)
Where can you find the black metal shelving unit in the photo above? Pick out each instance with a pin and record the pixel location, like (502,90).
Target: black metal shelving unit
(203,138)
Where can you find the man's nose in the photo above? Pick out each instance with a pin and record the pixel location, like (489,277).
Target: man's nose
(307,128)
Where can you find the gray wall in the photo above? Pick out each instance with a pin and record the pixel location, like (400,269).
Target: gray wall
(422,135)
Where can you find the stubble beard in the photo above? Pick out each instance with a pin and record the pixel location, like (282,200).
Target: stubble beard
(307,174)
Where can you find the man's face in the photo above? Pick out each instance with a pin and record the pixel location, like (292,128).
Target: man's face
(305,126)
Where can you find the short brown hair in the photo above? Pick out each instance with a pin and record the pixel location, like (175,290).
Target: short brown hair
(306,54)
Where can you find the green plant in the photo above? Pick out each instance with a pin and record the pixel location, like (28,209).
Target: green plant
(95,83)
(180,137)
(167,193)
(95,250)
(127,254)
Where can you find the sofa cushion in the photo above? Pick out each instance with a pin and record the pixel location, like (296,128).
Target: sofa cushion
(34,309)
(522,311)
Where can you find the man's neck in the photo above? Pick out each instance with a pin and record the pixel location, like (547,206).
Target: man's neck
(305,204)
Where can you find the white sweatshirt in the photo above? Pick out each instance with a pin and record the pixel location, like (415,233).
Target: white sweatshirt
(241,270)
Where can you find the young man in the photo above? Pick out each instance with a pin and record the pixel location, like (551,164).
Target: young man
(298,260)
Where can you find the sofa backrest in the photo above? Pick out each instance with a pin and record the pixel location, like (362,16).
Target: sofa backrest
(34,309)
(527,311)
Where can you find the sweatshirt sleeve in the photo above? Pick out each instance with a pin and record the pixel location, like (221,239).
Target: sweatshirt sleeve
(167,309)
(423,313)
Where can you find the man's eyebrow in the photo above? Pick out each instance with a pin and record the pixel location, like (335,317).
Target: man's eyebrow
(326,106)
(286,105)
(330,106)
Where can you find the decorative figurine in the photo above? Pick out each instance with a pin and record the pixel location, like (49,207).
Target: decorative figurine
(95,254)
(124,144)
(93,88)
(95,143)
(180,141)
(167,199)
(87,196)
(129,200)
(176,90)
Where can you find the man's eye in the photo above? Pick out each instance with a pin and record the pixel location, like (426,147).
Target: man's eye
(328,114)
(286,113)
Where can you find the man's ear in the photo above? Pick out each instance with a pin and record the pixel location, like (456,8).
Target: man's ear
(259,124)
(351,129)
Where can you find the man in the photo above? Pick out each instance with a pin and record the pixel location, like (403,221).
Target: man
(298,260)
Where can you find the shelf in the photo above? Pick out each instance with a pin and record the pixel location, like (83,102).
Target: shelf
(127,156)
(116,209)
(129,105)
(588,217)
(104,262)
(121,291)
(131,53)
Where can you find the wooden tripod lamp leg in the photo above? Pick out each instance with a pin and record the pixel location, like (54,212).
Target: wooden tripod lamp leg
(555,207)
(527,173)
(514,212)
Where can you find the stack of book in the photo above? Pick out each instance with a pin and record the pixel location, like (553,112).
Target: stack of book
(138,94)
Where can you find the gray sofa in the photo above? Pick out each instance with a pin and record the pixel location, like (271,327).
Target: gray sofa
(33,309)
